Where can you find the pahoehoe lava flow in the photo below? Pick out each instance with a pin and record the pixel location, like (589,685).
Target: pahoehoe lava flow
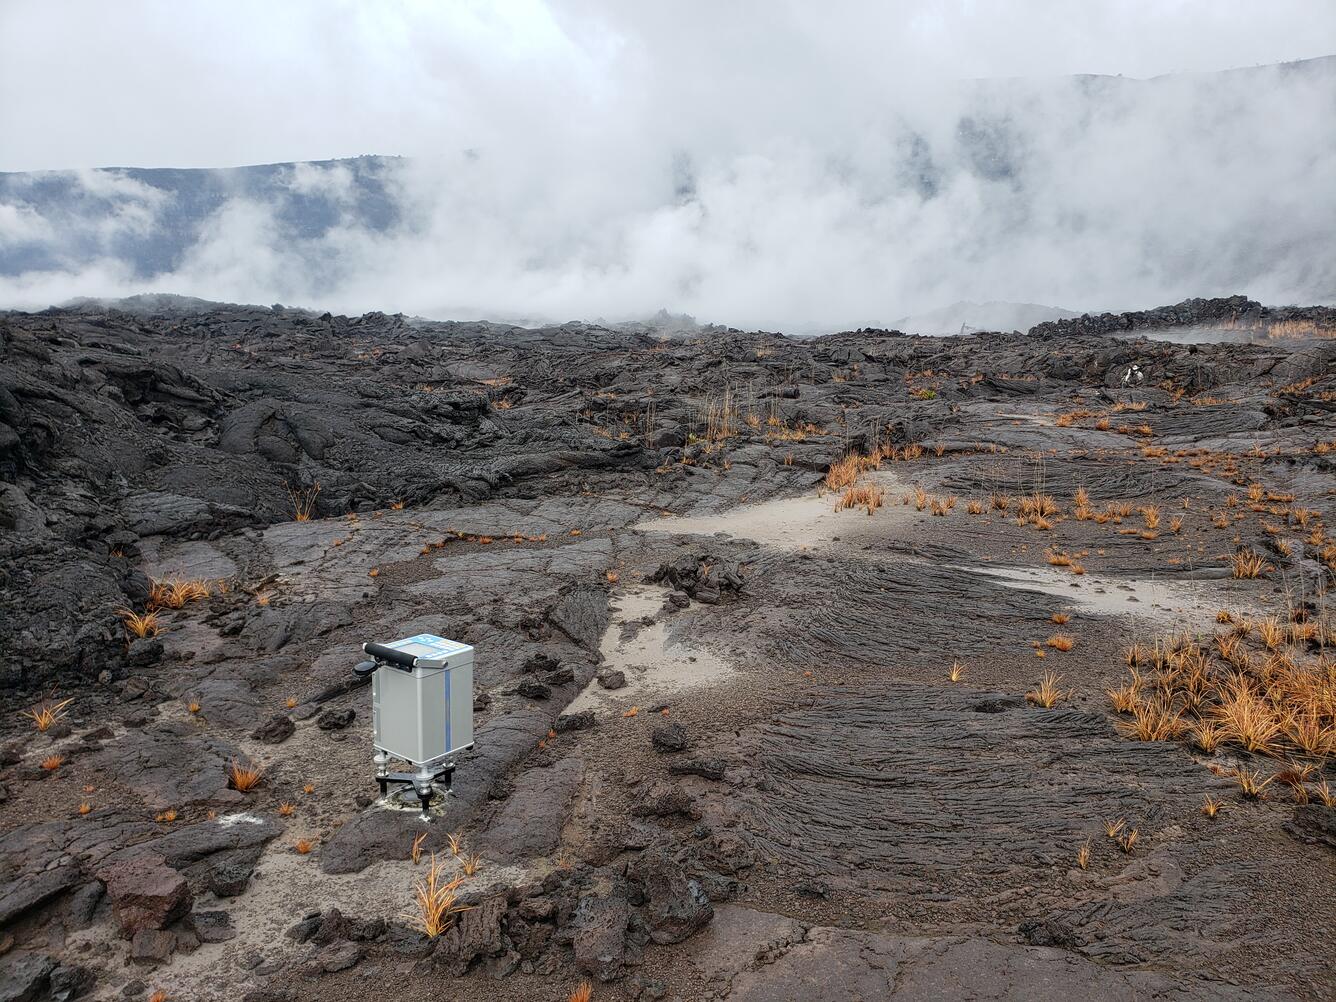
(859,666)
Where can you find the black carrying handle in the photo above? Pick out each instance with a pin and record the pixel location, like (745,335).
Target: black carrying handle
(389,655)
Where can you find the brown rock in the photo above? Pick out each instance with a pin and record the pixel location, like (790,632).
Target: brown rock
(152,946)
(145,893)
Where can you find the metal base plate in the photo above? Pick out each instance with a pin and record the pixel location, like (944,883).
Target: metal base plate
(405,798)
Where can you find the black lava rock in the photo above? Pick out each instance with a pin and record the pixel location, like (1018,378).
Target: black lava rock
(275,730)
(336,720)
(530,689)
(581,721)
(669,738)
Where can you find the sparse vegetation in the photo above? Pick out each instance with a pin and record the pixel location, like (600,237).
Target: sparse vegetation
(45,714)
(140,624)
(243,778)
(303,846)
(1061,642)
(286,810)
(1247,563)
(1211,806)
(1047,693)
(1083,855)
(437,901)
(1227,694)
(174,593)
(1251,784)
(302,500)
(867,496)
(52,762)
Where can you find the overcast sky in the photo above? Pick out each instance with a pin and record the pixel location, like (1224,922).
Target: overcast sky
(141,83)
(799,165)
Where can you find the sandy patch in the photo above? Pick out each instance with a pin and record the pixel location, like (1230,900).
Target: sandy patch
(1104,596)
(804,522)
(654,661)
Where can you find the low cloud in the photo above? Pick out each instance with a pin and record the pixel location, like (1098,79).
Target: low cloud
(615,163)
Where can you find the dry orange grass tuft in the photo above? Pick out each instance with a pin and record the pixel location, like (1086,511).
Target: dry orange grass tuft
(1247,564)
(43,715)
(303,846)
(244,777)
(286,810)
(957,672)
(1326,795)
(1060,618)
(1208,736)
(867,496)
(584,991)
(85,807)
(1211,807)
(302,501)
(177,593)
(1153,720)
(843,473)
(437,902)
(1124,699)
(158,996)
(140,625)
(1083,855)
(1046,693)
(52,762)
(1038,506)
(1061,642)
(1251,784)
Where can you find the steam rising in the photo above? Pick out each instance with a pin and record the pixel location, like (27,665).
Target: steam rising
(591,167)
